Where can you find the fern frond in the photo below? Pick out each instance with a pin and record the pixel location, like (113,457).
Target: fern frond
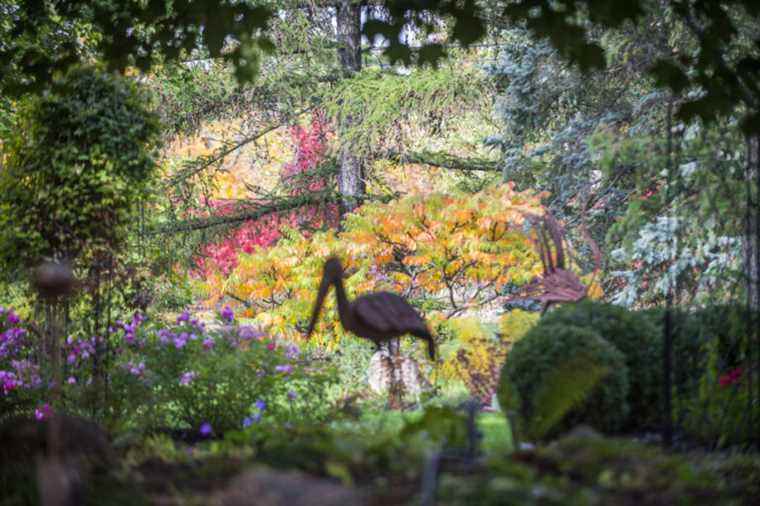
(561,390)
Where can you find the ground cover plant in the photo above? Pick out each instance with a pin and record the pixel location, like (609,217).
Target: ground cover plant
(175,176)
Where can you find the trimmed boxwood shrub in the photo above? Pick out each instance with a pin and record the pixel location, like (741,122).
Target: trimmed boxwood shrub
(545,348)
(638,338)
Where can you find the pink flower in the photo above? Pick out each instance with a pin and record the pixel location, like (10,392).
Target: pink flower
(271,346)
(731,377)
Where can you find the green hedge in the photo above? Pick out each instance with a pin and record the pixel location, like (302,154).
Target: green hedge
(638,339)
(544,349)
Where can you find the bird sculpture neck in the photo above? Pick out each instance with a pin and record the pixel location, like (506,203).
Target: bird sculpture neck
(344,311)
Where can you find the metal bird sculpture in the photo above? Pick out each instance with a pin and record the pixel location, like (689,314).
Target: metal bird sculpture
(557,284)
(379,317)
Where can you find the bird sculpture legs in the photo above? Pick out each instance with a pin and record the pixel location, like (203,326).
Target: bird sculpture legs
(396,387)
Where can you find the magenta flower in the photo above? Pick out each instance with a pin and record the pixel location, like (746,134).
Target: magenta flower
(731,377)
(8,381)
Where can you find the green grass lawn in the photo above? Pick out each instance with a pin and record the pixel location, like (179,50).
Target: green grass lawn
(497,437)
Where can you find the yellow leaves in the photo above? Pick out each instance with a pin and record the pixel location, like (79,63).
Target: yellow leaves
(417,260)
(595,290)
(435,248)
(516,323)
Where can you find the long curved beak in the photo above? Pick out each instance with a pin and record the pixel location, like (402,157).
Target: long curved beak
(324,286)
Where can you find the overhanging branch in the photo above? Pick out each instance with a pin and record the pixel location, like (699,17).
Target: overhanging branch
(443,160)
(200,164)
(253,212)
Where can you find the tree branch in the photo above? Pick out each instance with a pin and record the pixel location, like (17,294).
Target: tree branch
(443,160)
(253,213)
(205,162)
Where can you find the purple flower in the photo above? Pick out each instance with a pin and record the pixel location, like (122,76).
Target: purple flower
(43,412)
(72,380)
(185,316)
(227,314)
(187,378)
(247,422)
(292,352)
(8,381)
(208,343)
(285,368)
(180,341)
(292,395)
(260,405)
(165,336)
(136,370)
(206,429)
(13,318)
(247,333)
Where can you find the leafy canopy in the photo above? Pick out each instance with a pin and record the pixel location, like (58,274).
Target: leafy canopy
(75,166)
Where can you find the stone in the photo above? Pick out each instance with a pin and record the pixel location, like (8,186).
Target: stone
(264,487)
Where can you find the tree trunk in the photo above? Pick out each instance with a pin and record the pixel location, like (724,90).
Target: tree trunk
(751,241)
(351,185)
(751,251)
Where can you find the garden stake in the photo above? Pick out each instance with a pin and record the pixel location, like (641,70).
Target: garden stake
(467,455)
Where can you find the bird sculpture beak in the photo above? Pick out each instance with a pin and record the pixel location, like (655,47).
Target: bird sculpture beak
(324,286)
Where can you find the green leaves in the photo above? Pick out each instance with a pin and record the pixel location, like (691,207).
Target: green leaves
(568,25)
(75,167)
(47,38)
(564,388)
(668,74)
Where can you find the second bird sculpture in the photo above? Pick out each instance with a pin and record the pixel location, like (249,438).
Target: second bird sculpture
(379,316)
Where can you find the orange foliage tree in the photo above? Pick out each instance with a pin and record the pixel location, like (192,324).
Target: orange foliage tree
(447,253)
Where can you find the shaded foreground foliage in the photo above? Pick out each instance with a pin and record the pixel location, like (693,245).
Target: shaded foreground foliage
(582,468)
